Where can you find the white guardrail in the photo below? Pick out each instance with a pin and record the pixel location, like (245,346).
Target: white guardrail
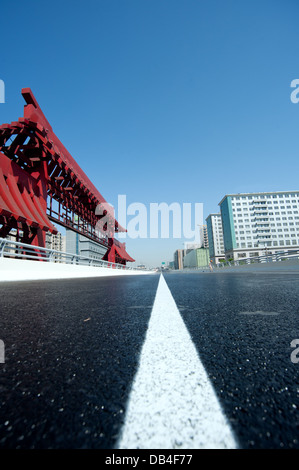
(13,249)
(267,258)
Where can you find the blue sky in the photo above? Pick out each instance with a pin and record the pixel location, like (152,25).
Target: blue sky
(163,101)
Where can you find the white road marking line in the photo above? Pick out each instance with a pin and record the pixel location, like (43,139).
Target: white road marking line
(172,404)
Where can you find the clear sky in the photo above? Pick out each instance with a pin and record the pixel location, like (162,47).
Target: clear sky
(162,100)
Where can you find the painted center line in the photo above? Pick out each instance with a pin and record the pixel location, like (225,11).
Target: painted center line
(172,404)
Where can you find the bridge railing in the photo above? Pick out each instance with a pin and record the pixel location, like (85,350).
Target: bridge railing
(17,250)
(266,258)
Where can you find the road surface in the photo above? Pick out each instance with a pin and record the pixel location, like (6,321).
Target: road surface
(176,361)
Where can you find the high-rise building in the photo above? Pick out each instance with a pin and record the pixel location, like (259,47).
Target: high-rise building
(215,236)
(256,224)
(55,241)
(204,240)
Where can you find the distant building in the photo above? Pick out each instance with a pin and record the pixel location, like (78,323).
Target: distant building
(205,237)
(178,259)
(55,242)
(256,224)
(197,258)
(192,246)
(141,266)
(13,236)
(215,236)
(80,245)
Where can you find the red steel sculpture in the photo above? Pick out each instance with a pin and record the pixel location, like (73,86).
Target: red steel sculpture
(41,183)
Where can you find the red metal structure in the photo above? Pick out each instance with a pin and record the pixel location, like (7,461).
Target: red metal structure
(41,183)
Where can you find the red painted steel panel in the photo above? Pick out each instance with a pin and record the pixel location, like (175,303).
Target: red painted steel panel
(123,254)
(4,209)
(15,210)
(24,193)
(33,113)
(39,209)
(29,203)
(19,204)
(14,191)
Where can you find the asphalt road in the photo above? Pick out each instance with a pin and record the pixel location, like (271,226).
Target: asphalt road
(72,349)
(242,325)
(71,352)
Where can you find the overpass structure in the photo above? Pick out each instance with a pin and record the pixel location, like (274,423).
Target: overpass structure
(41,184)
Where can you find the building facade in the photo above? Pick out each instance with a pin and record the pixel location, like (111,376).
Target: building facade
(197,258)
(56,241)
(255,224)
(205,237)
(215,236)
(178,259)
(80,245)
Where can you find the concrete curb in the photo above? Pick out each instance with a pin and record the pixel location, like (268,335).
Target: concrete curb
(26,270)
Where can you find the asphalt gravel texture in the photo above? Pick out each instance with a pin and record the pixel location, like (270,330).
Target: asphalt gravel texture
(72,350)
(242,325)
(71,353)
